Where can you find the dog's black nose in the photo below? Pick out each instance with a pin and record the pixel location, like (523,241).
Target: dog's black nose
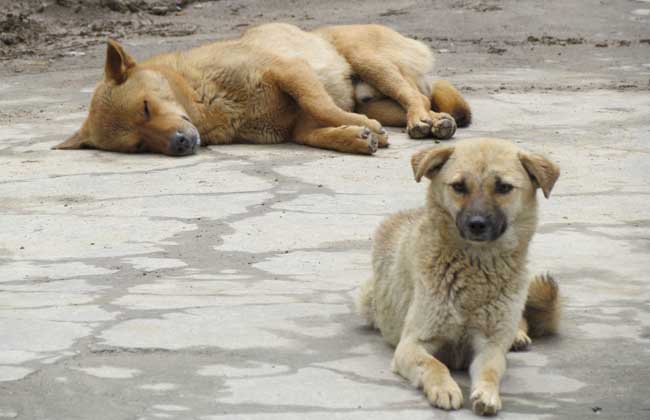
(477,225)
(184,142)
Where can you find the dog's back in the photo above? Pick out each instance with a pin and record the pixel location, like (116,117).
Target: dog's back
(289,41)
(413,58)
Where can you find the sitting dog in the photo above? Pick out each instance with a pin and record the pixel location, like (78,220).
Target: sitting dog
(276,83)
(450,281)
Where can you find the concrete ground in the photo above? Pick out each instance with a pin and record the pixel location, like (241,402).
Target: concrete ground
(221,285)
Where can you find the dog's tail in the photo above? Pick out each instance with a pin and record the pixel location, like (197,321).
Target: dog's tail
(446,98)
(366,301)
(542,310)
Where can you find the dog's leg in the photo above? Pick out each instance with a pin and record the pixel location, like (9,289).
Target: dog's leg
(413,362)
(522,340)
(297,79)
(486,371)
(382,74)
(386,111)
(390,113)
(347,138)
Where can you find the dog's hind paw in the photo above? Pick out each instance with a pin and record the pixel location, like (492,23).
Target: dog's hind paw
(444,126)
(521,341)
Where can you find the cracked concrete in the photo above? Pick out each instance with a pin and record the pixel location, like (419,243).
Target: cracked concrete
(221,285)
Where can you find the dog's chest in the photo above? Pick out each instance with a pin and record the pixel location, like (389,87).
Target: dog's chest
(242,106)
(463,296)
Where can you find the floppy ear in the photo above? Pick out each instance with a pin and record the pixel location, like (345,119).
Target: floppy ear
(118,62)
(427,162)
(542,171)
(79,140)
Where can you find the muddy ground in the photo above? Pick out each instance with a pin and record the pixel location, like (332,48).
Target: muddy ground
(220,286)
(471,35)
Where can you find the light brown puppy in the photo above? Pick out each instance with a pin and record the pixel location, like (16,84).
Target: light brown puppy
(450,281)
(276,83)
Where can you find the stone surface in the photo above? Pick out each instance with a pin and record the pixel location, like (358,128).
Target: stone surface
(222,285)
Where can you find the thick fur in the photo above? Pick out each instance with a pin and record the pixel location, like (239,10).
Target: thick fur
(446,98)
(543,310)
(445,301)
(276,83)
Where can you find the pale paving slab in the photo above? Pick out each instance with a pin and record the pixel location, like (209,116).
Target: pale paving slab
(249,325)
(110,372)
(25,270)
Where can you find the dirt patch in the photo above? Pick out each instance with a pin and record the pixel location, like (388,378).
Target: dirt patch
(34,28)
(16,29)
(477,6)
(394,12)
(552,40)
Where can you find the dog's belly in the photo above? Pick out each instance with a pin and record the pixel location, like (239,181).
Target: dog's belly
(456,355)
(289,41)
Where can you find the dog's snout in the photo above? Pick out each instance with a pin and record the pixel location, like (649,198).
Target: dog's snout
(481,226)
(477,225)
(184,142)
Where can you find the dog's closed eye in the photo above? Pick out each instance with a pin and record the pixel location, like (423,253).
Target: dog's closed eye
(147,114)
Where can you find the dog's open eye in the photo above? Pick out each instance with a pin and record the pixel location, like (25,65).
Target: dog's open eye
(147,115)
(502,188)
(459,187)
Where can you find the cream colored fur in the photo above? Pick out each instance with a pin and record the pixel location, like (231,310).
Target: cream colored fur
(444,301)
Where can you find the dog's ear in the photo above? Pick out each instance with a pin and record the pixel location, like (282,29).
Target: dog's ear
(542,171)
(79,140)
(118,62)
(427,162)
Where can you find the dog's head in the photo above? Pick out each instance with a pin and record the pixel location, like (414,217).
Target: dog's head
(136,109)
(486,186)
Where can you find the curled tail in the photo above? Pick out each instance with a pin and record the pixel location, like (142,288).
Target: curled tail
(542,310)
(366,301)
(446,98)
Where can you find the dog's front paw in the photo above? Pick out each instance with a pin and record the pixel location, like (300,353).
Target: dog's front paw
(371,140)
(446,395)
(374,125)
(444,126)
(382,137)
(485,400)
(521,342)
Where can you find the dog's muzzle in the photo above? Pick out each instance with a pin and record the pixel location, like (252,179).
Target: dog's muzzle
(184,142)
(480,227)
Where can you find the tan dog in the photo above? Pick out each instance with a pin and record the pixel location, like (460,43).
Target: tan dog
(276,83)
(450,281)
